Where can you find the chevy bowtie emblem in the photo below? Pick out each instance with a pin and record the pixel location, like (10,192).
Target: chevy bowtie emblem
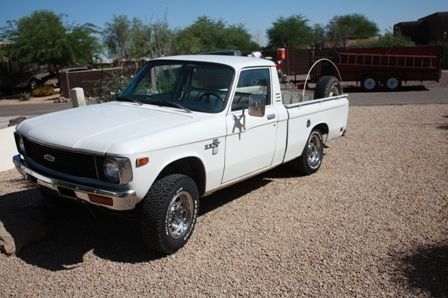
(49,157)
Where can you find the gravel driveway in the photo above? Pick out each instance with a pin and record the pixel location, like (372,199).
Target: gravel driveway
(372,222)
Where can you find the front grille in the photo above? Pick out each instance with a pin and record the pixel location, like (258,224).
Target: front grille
(67,162)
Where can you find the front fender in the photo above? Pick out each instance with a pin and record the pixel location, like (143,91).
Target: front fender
(212,161)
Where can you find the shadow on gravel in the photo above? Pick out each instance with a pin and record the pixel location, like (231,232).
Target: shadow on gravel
(426,269)
(358,89)
(232,193)
(76,230)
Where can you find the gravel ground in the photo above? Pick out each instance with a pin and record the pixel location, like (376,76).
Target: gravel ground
(372,222)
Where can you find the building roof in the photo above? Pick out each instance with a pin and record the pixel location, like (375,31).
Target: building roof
(442,14)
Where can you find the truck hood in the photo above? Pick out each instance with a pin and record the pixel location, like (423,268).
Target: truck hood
(115,128)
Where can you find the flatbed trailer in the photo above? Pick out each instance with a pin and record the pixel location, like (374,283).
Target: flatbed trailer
(371,67)
(388,67)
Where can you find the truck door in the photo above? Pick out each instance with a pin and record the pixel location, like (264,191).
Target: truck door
(250,141)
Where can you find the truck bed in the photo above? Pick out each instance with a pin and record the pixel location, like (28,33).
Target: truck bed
(304,115)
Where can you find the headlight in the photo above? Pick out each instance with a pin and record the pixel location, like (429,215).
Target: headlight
(117,170)
(20,144)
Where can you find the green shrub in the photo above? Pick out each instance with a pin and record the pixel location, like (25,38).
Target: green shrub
(25,96)
(45,90)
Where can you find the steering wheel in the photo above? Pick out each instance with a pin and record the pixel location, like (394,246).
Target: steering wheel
(209,94)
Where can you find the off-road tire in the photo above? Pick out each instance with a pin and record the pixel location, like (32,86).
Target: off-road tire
(157,232)
(312,156)
(327,86)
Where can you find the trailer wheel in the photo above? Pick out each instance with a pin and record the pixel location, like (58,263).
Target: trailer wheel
(393,83)
(327,86)
(169,213)
(369,83)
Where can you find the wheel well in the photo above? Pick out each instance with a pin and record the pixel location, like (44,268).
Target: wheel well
(323,128)
(189,166)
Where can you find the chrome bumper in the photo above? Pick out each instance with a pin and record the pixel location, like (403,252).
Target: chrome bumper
(121,200)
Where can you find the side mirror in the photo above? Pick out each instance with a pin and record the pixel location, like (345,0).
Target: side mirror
(257,105)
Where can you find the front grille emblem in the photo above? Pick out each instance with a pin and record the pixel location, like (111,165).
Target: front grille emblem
(49,158)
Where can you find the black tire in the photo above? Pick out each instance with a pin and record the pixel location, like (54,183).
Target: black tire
(34,83)
(327,86)
(392,83)
(166,231)
(369,83)
(312,156)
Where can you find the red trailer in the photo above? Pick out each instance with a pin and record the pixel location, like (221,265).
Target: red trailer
(372,67)
(389,67)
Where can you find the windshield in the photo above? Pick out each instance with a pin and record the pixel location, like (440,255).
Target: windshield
(185,85)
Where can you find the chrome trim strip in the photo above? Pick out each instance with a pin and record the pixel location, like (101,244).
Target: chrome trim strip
(315,101)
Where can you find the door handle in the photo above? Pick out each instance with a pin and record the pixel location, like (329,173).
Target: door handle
(271,116)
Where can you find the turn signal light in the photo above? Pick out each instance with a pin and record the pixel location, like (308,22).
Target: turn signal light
(101,200)
(141,161)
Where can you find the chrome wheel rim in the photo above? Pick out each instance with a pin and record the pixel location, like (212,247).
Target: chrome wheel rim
(180,215)
(314,149)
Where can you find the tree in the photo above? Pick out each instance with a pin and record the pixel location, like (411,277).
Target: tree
(127,39)
(293,31)
(206,34)
(116,37)
(44,39)
(388,40)
(320,35)
(161,39)
(350,26)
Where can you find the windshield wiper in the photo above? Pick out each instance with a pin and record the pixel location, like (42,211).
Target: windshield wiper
(128,98)
(169,104)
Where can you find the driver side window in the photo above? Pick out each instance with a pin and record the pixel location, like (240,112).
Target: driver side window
(251,82)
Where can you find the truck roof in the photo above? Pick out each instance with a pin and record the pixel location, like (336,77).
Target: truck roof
(236,62)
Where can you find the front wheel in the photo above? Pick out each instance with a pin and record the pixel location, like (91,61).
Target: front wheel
(169,213)
(34,83)
(313,153)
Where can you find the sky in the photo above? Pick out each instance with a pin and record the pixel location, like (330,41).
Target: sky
(256,16)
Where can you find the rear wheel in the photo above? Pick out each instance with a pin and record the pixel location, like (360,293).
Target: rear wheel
(169,213)
(393,83)
(369,83)
(313,153)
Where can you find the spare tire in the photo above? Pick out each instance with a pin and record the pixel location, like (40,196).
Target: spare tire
(327,86)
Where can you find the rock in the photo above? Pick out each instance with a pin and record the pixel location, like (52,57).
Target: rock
(21,227)
(15,121)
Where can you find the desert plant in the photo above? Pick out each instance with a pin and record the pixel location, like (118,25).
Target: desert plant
(45,90)
(111,85)
(25,96)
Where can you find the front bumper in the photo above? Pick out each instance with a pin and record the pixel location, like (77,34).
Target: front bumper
(109,198)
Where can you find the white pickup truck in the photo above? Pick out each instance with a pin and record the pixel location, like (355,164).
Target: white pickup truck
(185,127)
